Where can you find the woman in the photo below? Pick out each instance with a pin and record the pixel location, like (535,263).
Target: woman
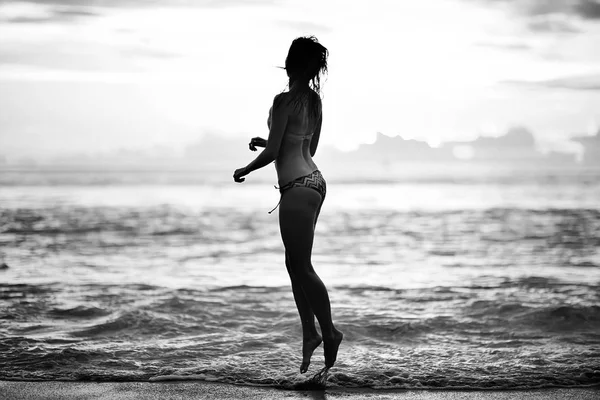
(294,130)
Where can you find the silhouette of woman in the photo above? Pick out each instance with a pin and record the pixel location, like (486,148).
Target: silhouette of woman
(294,129)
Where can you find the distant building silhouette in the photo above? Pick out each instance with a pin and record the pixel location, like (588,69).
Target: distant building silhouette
(214,150)
(388,149)
(517,145)
(560,158)
(218,152)
(591,148)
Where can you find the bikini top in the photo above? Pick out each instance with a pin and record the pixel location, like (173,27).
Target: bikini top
(304,122)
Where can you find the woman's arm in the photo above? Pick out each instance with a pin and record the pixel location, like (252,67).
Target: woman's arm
(271,151)
(257,142)
(278,125)
(314,141)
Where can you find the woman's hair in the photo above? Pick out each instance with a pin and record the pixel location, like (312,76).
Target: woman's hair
(305,63)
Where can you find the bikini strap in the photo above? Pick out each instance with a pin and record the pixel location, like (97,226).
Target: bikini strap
(275,186)
(275,206)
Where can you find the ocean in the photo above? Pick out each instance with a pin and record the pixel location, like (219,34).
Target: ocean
(436,283)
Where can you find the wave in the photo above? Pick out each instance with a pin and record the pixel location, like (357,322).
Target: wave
(144,175)
(136,323)
(567,318)
(79,312)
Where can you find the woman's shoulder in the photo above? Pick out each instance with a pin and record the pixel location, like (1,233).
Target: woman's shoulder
(279,98)
(286,98)
(283,101)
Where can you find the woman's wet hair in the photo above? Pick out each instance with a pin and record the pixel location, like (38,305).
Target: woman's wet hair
(305,63)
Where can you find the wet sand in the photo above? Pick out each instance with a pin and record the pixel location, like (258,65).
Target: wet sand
(27,390)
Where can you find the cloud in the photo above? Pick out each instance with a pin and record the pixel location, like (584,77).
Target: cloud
(584,82)
(74,12)
(576,82)
(57,15)
(147,52)
(554,25)
(304,26)
(506,46)
(587,9)
(42,11)
(155,3)
(22,12)
(84,57)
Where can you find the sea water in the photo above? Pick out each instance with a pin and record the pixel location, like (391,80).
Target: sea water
(436,284)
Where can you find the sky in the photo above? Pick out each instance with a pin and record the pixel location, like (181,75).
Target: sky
(102,75)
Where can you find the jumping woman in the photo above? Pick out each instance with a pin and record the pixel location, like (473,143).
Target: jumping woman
(294,129)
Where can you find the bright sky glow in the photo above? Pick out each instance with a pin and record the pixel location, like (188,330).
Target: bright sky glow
(79,78)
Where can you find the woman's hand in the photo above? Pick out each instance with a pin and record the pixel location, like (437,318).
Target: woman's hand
(238,174)
(257,142)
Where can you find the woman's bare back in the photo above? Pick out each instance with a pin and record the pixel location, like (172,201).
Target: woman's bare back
(294,159)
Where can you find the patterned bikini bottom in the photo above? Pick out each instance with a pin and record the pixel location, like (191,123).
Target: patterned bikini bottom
(313,180)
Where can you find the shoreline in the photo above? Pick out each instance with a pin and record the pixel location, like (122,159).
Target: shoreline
(183,390)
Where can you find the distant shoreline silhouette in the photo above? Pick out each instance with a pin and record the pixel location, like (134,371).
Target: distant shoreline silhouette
(517,145)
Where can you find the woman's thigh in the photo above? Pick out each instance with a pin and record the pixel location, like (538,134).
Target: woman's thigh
(297,217)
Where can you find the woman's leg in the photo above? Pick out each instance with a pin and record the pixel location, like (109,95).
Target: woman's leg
(307,317)
(310,337)
(297,218)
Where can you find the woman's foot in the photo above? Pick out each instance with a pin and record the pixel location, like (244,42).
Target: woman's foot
(308,347)
(331,346)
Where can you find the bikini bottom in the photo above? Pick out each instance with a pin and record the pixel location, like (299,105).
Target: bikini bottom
(314,180)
